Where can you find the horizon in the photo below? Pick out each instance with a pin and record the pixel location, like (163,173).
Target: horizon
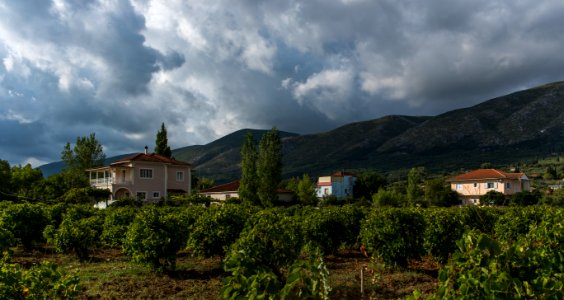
(120,69)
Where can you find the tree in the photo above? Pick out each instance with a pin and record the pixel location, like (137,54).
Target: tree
(414,177)
(438,193)
(5,177)
(306,191)
(269,167)
(249,181)
(493,198)
(87,153)
(161,142)
(367,184)
(24,178)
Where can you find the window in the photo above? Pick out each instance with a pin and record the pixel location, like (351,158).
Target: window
(458,186)
(146,173)
(508,185)
(227,196)
(142,195)
(475,184)
(490,185)
(156,195)
(179,176)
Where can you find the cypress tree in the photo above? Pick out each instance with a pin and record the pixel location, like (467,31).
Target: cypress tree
(249,182)
(269,167)
(162,147)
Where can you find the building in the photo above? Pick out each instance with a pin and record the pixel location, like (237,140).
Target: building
(148,177)
(470,186)
(231,190)
(340,185)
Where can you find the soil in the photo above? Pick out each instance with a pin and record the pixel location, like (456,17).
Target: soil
(111,275)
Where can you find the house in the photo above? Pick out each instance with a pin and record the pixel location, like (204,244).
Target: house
(231,190)
(340,185)
(470,186)
(147,176)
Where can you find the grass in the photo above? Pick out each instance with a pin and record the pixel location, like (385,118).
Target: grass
(111,275)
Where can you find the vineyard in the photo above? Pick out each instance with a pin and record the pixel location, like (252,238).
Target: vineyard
(239,251)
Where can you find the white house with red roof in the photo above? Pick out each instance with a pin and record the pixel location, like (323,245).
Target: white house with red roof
(147,176)
(470,186)
(230,190)
(340,185)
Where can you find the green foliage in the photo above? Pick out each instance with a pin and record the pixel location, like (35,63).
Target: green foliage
(270,240)
(248,187)
(187,200)
(306,191)
(5,178)
(154,239)
(525,198)
(414,193)
(45,281)
(480,218)
(161,142)
(6,239)
(443,228)
(23,180)
(331,227)
(217,228)
(492,198)
(438,193)
(116,223)
(553,198)
(307,279)
(269,167)
(516,221)
(26,222)
(84,195)
(87,153)
(79,232)
(394,235)
(529,268)
(367,184)
(388,198)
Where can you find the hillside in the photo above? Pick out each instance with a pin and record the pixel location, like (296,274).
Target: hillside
(519,126)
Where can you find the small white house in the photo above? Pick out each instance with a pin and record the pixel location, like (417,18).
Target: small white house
(340,185)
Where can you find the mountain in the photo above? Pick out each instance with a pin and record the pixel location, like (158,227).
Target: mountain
(504,130)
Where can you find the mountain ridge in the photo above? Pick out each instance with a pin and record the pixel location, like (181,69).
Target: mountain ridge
(506,129)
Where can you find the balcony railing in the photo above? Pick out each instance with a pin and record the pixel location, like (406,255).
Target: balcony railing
(108,181)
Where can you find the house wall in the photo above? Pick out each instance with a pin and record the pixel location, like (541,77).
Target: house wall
(184,184)
(149,185)
(222,196)
(478,188)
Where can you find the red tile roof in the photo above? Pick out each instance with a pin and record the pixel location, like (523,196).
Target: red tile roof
(232,186)
(152,157)
(482,174)
(342,174)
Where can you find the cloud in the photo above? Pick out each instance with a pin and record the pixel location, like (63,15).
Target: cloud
(207,68)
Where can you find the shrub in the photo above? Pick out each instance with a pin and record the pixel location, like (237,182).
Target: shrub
(116,224)
(26,222)
(444,227)
(525,198)
(516,221)
(127,202)
(44,281)
(79,231)
(153,238)
(480,218)
(388,198)
(394,235)
(217,228)
(6,240)
(492,198)
(486,269)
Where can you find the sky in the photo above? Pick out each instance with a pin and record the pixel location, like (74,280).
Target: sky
(120,68)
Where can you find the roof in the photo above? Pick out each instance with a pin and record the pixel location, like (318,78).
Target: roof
(233,186)
(482,174)
(342,174)
(152,157)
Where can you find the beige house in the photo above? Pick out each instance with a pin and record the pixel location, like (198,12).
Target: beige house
(148,177)
(231,190)
(470,186)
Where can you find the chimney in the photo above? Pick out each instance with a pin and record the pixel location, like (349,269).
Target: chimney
(146,150)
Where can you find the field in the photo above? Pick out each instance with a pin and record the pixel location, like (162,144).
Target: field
(111,275)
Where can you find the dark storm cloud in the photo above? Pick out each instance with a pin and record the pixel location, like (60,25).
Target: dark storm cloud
(120,68)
